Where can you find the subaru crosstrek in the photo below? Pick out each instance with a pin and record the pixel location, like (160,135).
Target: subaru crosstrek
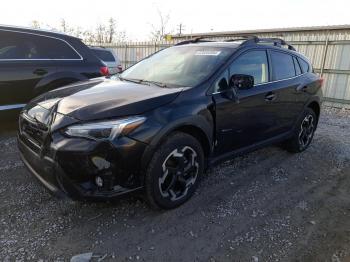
(162,122)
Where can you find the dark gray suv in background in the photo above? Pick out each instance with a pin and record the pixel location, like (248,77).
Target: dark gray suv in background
(109,57)
(35,61)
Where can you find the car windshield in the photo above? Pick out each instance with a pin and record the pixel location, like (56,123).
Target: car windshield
(179,65)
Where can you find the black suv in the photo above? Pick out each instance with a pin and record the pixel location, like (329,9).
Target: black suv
(163,121)
(35,61)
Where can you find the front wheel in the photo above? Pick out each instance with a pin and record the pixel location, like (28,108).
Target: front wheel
(174,171)
(304,132)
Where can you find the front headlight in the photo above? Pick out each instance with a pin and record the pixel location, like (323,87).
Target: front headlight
(105,129)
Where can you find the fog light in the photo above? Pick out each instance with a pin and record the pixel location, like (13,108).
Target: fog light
(100,162)
(99,181)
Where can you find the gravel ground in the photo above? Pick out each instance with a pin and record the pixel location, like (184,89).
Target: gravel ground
(269,205)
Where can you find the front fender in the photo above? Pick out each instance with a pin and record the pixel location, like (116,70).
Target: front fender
(201,122)
(197,121)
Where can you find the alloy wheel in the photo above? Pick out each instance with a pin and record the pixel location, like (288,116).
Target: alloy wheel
(180,170)
(307,129)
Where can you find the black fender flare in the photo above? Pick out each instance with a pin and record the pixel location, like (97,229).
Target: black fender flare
(311,100)
(199,122)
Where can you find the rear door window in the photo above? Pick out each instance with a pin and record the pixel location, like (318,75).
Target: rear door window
(282,65)
(11,47)
(104,55)
(14,45)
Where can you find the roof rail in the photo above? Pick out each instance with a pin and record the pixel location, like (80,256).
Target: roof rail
(275,41)
(248,40)
(243,38)
(191,41)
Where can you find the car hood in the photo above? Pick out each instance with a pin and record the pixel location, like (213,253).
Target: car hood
(104,98)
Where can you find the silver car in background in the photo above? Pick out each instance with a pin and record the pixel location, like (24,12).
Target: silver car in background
(108,56)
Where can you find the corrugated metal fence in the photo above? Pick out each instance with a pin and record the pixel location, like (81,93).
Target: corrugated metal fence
(329,53)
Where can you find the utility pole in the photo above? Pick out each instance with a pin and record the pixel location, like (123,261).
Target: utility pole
(180,28)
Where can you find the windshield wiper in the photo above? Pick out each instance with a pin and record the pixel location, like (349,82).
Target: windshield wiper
(140,81)
(160,84)
(137,81)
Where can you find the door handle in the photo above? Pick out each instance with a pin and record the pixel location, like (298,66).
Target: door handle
(270,96)
(40,72)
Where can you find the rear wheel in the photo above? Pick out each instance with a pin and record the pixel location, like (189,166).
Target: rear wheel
(304,132)
(174,171)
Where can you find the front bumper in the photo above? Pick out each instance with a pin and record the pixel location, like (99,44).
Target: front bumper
(65,168)
(42,169)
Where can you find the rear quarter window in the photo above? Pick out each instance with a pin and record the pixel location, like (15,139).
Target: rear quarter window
(56,49)
(297,67)
(305,67)
(282,65)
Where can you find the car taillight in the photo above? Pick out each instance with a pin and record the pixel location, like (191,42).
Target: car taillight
(120,68)
(321,81)
(104,71)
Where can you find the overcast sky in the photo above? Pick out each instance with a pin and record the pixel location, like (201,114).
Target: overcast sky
(135,17)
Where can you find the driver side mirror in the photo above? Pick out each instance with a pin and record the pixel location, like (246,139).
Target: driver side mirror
(242,82)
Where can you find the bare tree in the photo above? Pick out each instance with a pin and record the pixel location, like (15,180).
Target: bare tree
(102,34)
(65,28)
(160,30)
(88,37)
(35,24)
(121,36)
(63,25)
(106,33)
(111,30)
(78,32)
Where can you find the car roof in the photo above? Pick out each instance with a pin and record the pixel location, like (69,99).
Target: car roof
(35,31)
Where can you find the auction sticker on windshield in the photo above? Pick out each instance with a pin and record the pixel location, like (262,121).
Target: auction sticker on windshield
(208,52)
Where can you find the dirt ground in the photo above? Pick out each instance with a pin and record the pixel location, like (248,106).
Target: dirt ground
(269,205)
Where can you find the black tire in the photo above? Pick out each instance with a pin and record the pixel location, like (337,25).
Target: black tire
(303,133)
(165,187)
